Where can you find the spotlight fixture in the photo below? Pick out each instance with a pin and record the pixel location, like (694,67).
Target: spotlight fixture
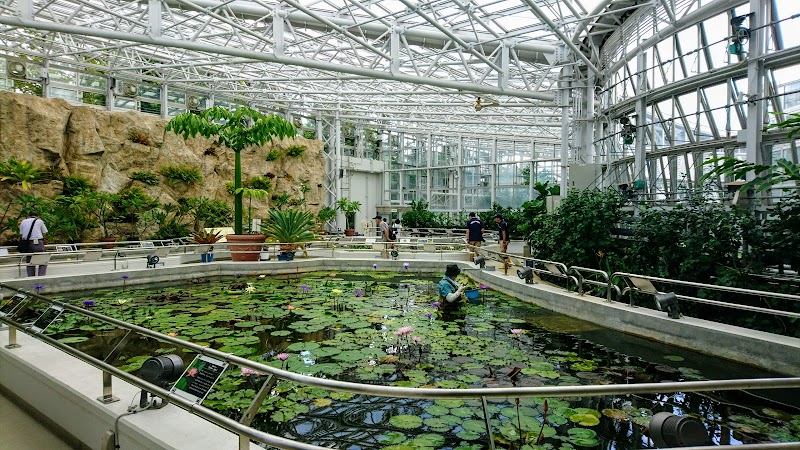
(152,260)
(480,261)
(161,371)
(668,302)
(479,106)
(526,274)
(669,430)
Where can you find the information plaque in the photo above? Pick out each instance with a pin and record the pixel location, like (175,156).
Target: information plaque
(198,379)
(47,317)
(12,305)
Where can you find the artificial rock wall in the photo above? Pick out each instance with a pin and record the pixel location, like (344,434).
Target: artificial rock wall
(94,143)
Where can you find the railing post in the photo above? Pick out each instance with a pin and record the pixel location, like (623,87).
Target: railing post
(489,434)
(12,337)
(252,410)
(107,397)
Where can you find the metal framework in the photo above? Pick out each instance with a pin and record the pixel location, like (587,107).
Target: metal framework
(356,74)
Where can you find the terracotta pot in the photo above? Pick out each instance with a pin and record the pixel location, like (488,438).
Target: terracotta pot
(349,232)
(245,247)
(108,239)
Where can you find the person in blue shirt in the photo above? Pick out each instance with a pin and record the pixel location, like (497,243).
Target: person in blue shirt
(449,290)
(474,234)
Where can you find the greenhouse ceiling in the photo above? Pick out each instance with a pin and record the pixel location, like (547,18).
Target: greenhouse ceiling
(401,62)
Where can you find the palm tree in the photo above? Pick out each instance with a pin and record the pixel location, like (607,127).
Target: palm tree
(289,227)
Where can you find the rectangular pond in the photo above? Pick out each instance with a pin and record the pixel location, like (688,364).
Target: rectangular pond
(388,329)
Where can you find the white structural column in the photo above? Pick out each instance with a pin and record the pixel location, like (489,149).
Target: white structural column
(755,84)
(502,79)
(337,165)
(109,93)
(493,165)
(154,18)
(563,101)
(164,101)
(588,123)
(46,78)
(278,26)
(394,48)
(25,9)
(640,151)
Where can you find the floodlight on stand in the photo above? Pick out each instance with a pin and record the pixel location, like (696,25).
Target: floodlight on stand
(161,371)
(526,274)
(668,302)
(480,261)
(669,430)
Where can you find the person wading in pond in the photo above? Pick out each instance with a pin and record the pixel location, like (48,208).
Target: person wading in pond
(450,291)
(33,230)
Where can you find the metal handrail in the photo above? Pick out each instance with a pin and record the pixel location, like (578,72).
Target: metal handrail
(777,312)
(578,270)
(246,432)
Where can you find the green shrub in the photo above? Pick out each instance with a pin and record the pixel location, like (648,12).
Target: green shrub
(309,134)
(75,185)
(19,172)
(182,173)
(273,154)
(148,178)
(295,150)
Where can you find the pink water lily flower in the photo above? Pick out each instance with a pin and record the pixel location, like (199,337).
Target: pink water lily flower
(283,356)
(516,331)
(416,339)
(249,371)
(402,331)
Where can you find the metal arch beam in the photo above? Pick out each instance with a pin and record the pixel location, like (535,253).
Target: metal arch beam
(707,11)
(267,57)
(543,17)
(531,52)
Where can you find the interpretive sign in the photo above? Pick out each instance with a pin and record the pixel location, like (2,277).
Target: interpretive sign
(47,317)
(12,305)
(198,379)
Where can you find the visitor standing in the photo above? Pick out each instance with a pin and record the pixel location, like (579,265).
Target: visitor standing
(383,229)
(32,231)
(474,234)
(396,227)
(504,237)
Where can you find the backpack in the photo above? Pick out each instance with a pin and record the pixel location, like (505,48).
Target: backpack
(392,235)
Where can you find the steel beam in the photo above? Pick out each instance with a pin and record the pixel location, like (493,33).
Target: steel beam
(267,57)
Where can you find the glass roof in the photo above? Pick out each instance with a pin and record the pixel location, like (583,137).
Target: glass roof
(389,60)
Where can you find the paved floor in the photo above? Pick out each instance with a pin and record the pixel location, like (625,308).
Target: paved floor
(19,431)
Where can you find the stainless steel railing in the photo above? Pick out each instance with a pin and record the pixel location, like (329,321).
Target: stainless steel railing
(246,433)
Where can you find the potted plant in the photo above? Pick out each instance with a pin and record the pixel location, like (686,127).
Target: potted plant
(206,237)
(289,227)
(326,215)
(349,208)
(236,130)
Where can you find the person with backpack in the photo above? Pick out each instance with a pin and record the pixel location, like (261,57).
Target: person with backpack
(385,231)
(474,234)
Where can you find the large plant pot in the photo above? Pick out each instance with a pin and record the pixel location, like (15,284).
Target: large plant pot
(349,232)
(245,247)
(108,239)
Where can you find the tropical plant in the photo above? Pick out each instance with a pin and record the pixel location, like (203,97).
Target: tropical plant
(148,178)
(131,203)
(349,208)
(21,173)
(182,173)
(206,237)
(75,185)
(309,134)
(100,206)
(326,215)
(579,233)
(289,227)
(236,130)
(255,187)
(766,177)
(170,221)
(281,200)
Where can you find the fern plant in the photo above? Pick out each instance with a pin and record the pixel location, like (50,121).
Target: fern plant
(289,227)
(182,174)
(148,178)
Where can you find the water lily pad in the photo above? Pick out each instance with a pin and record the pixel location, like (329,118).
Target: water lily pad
(280,333)
(616,414)
(436,424)
(437,410)
(428,440)
(349,355)
(583,433)
(586,420)
(406,421)
(675,358)
(392,438)
(322,402)
(450,403)
(468,435)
